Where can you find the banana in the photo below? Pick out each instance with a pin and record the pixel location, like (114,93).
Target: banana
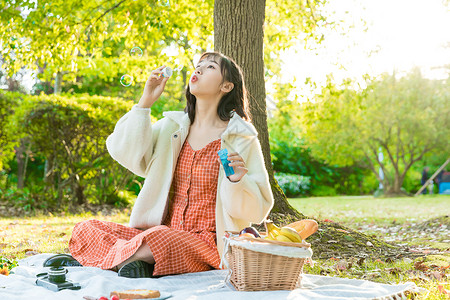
(291,234)
(284,234)
(283,238)
(272,230)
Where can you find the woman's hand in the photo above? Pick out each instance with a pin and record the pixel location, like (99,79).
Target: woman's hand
(238,164)
(153,88)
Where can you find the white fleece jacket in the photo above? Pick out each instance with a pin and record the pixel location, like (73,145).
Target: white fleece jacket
(151,151)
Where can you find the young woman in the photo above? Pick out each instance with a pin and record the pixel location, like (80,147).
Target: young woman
(187,202)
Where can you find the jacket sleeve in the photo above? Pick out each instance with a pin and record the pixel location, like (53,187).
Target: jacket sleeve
(250,198)
(131,143)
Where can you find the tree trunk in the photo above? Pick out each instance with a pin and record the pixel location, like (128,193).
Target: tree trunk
(79,190)
(49,171)
(58,83)
(21,164)
(238,33)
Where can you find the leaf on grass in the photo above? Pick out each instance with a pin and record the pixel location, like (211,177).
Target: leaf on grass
(30,252)
(417,276)
(419,265)
(389,260)
(438,275)
(371,275)
(360,261)
(341,265)
(326,270)
(4,271)
(443,290)
(394,270)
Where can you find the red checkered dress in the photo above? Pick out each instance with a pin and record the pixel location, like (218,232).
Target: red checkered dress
(186,242)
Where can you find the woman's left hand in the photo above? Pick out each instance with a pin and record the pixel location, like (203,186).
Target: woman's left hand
(238,164)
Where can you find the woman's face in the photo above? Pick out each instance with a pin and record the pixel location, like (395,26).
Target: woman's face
(206,79)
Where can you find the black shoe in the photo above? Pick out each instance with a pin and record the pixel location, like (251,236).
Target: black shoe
(136,269)
(61,260)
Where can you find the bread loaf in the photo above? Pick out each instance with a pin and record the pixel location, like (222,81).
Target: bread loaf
(136,294)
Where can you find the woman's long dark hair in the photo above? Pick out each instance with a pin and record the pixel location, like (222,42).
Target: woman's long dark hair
(235,100)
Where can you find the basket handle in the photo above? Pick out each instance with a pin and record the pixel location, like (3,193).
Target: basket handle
(223,260)
(226,247)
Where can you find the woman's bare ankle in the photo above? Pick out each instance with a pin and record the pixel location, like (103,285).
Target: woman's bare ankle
(143,253)
(131,259)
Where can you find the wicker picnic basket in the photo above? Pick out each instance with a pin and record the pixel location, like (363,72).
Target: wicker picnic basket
(258,271)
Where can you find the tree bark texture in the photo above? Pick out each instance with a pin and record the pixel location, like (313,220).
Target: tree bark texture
(239,33)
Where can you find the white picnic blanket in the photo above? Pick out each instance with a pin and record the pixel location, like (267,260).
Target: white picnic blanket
(96,282)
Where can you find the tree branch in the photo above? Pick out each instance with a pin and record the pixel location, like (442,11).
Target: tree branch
(312,12)
(107,11)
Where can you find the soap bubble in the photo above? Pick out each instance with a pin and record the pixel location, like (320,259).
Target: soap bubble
(178,68)
(136,51)
(126,80)
(165,2)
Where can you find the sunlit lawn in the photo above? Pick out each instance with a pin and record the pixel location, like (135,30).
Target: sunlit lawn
(351,210)
(43,234)
(393,219)
(396,218)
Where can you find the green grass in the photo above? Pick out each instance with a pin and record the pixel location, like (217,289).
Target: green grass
(358,209)
(396,218)
(20,237)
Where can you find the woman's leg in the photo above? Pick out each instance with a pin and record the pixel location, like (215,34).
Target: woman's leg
(104,244)
(143,253)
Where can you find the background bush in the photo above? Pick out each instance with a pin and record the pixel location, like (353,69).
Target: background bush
(293,184)
(59,157)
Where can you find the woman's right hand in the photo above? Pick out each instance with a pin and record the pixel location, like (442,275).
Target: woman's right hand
(153,88)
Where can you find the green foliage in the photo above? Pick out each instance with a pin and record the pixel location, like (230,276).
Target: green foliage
(82,38)
(8,102)
(406,117)
(290,154)
(64,138)
(293,184)
(323,190)
(89,42)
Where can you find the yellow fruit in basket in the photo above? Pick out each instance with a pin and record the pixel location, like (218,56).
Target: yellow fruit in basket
(291,234)
(269,238)
(272,230)
(283,238)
